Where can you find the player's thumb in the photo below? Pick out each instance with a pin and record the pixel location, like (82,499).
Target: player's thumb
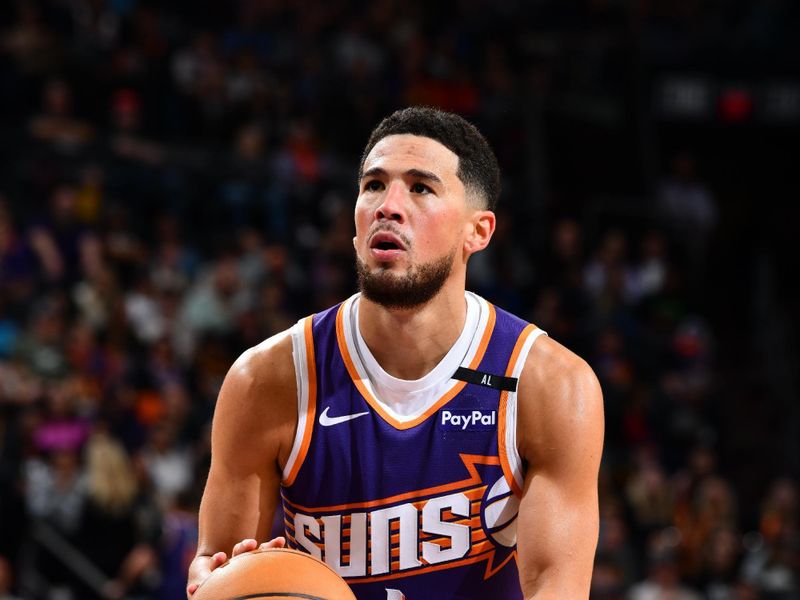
(278,542)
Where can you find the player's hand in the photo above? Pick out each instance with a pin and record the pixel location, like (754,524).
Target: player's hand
(202,566)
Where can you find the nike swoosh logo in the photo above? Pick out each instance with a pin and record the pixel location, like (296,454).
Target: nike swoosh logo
(327,421)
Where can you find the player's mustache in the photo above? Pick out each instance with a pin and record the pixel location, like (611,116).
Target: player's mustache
(390,228)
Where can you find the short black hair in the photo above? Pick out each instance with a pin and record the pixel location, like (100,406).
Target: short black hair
(477,164)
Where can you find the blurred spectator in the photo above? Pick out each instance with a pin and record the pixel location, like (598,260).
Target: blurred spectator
(565,253)
(64,423)
(173,261)
(772,562)
(55,487)
(127,141)
(664,575)
(213,305)
(91,364)
(515,276)
(59,239)
(648,276)
(689,209)
(608,263)
(616,547)
(721,564)
(650,496)
(247,192)
(780,514)
(688,386)
(122,244)
(178,546)
(110,534)
(564,302)
(191,65)
(17,269)
(29,41)
(609,278)
(713,510)
(772,569)
(168,463)
(57,125)
(40,347)
(608,582)
(143,311)
(6,580)
(97,295)
(9,332)
(90,195)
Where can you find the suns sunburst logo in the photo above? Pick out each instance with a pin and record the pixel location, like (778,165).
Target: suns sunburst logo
(465,522)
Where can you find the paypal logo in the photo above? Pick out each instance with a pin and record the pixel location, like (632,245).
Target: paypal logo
(467,420)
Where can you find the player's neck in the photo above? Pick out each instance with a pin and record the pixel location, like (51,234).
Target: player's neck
(408,344)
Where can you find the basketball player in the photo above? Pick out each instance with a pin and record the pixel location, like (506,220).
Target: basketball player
(425,443)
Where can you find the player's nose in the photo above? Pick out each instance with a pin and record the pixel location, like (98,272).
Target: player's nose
(392,204)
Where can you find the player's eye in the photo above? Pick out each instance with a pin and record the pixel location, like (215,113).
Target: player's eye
(420,188)
(373,185)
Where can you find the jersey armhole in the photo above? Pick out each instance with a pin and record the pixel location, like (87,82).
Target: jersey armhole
(306,376)
(510,459)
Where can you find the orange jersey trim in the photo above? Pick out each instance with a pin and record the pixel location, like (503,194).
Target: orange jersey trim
(311,410)
(501,419)
(473,479)
(373,402)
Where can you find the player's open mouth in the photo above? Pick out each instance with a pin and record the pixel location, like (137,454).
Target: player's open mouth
(385,246)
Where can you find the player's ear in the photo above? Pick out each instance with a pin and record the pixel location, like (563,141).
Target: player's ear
(482,226)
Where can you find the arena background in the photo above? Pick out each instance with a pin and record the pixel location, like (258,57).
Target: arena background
(177,182)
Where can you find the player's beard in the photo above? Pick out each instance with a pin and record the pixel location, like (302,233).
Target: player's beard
(414,288)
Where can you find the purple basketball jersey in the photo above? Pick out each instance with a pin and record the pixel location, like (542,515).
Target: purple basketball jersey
(411,509)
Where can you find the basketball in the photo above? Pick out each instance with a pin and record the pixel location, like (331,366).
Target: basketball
(275,573)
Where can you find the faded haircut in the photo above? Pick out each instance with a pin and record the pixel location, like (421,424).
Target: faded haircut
(477,164)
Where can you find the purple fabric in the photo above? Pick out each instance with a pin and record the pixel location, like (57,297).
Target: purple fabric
(368,460)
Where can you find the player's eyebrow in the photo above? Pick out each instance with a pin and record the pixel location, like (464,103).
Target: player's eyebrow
(419,174)
(416,173)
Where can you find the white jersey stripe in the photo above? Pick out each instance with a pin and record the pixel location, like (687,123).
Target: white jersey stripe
(301,375)
(512,452)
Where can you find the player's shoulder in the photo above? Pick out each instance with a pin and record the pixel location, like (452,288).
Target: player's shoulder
(558,392)
(257,403)
(550,362)
(267,366)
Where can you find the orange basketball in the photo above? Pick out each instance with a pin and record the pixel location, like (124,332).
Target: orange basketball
(277,574)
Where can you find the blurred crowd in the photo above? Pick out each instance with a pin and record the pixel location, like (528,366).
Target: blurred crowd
(177,183)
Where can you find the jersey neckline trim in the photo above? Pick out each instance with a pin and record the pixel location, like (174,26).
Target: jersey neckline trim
(463,347)
(358,374)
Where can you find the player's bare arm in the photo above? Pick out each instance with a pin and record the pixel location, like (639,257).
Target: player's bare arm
(560,438)
(251,438)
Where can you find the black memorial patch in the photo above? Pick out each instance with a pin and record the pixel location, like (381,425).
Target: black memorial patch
(490,380)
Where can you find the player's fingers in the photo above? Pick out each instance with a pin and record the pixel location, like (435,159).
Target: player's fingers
(278,542)
(201,568)
(244,546)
